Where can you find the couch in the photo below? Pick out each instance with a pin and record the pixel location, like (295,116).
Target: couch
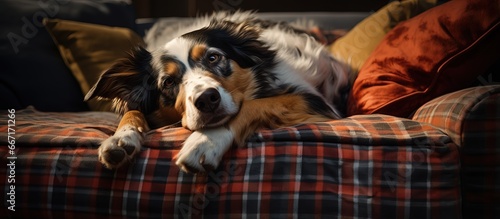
(415,152)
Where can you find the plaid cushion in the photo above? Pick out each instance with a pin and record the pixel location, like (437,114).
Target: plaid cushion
(38,129)
(472,118)
(360,167)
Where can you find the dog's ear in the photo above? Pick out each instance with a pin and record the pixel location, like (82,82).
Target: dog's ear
(130,83)
(239,40)
(243,39)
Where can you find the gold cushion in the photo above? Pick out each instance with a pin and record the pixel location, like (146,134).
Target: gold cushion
(355,47)
(89,49)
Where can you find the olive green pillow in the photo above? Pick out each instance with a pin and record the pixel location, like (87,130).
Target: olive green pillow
(89,49)
(355,47)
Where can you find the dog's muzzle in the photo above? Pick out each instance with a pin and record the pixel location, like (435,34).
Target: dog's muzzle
(208,104)
(208,101)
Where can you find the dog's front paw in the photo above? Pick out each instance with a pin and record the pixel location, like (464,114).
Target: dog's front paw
(203,150)
(120,148)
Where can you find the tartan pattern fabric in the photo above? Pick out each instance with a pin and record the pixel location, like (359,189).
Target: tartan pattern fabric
(472,118)
(450,112)
(60,129)
(371,166)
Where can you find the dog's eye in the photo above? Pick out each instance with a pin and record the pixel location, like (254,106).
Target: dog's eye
(168,82)
(213,58)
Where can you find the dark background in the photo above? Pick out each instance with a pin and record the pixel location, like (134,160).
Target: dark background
(190,8)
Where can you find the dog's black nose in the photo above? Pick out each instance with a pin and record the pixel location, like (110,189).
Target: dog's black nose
(208,101)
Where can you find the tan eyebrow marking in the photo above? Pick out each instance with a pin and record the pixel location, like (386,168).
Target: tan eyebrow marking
(171,68)
(197,52)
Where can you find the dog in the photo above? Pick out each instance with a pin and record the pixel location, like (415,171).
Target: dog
(223,77)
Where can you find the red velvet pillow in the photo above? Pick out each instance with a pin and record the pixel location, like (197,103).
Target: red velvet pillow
(439,51)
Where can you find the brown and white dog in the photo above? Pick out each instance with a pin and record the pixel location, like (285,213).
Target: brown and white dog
(223,77)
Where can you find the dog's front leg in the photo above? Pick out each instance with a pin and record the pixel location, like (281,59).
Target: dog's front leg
(203,150)
(126,142)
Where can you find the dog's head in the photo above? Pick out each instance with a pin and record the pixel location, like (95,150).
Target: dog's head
(204,75)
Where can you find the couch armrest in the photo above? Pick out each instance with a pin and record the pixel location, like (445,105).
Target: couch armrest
(468,111)
(471,117)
